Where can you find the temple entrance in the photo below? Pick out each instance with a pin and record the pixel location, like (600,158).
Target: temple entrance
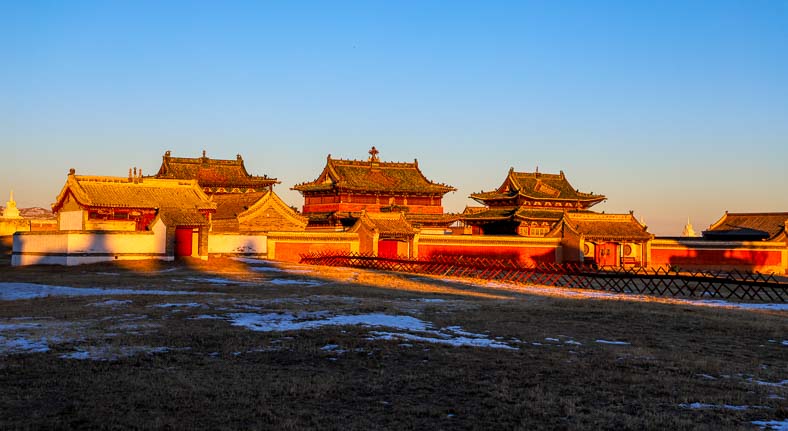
(183,242)
(387,248)
(607,254)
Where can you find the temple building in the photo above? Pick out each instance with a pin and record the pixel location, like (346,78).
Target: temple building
(346,188)
(254,212)
(526,204)
(604,239)
(214,176)
(244,203)
(135,204)
(749,227)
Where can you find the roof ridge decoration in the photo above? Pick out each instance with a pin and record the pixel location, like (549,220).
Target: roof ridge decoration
(373,175)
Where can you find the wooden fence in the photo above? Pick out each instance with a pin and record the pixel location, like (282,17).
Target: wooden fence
(662,281)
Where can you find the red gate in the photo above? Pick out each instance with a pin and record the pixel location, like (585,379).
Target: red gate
(183,242)
(607,254)
(387,248)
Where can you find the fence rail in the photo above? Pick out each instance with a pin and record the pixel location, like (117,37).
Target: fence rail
(738,285)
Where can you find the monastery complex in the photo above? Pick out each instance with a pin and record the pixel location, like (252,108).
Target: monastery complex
(199,207)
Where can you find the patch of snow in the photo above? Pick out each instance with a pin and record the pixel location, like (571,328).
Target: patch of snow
(777,425)
(775,397)
(286,281)
(112,303)
(111,353)
(178,305)
(576,343)
(279,322)
(207,317)
(616,343)
(555,340)
(457,341)
(784,343)
(762,383)
(745,306)
(697,406)
(216,280)
(18,291)
(18,326)
(707,377)
(22,345)
(429,300)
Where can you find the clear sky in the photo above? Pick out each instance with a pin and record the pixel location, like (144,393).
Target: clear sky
(671,109)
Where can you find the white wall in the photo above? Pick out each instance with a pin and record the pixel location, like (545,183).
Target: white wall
(238,244)
(70,220)
(73,248)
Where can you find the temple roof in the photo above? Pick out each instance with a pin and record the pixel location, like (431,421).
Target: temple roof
(147,193)
(536,185)
(748,226)
(213,173)
(388,224)
(373,176)
(229,206)
(596,226)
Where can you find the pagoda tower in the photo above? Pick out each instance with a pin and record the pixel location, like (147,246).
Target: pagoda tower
(11,210)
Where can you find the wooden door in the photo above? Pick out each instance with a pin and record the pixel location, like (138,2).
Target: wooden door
(387,248)
(607,254)
(183,242)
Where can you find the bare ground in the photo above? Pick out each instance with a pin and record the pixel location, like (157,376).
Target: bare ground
(178,362)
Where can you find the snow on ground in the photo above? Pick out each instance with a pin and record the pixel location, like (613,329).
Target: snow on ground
(776,425)
(18,344)
(616,343)
(583,293)
(112,303)
(178,305)
(280,322)
(286,282)
(703,406)
(264,266)
(29,335)
(775,384)
(17,291)
(112,353)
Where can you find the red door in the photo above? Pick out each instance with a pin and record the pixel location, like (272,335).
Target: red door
(183,242)
(387,248)
(607,254)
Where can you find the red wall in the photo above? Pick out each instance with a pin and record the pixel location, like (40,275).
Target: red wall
(292,251)
(526,255)
(747,259)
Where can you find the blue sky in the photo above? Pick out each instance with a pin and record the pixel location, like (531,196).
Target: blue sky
(671,109)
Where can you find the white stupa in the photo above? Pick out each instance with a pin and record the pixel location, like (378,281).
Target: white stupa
(688,230)
(10,208)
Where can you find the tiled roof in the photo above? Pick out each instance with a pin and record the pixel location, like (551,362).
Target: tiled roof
(387,224)
(230,205)
(212,173)
(182,217)
(119,192)
(432,218)
(536,185)
(606,226)
(754,226)
(373,176)
(538,214)
(491,214)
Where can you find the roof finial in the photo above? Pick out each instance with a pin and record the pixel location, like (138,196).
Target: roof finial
(203,154)
(373,154)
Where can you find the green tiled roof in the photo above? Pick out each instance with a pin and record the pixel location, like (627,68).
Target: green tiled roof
(536,185)
(373,176)
(227,174)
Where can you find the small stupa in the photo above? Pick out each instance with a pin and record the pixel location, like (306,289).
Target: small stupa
(10,208)
(688,230)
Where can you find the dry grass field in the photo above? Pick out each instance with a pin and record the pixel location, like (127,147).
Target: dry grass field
(230,344)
